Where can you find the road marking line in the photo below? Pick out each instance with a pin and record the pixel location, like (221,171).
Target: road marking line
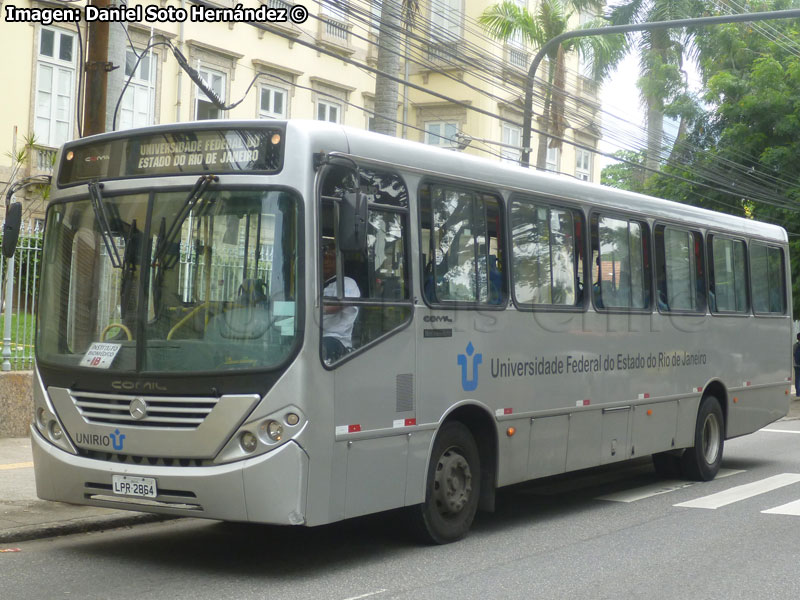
(367,595)
(662,487)
(779,431)
(792,508)
(742,492)
(22,465)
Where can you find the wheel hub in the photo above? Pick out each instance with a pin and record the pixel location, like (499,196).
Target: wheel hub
(453,482)
(711,438)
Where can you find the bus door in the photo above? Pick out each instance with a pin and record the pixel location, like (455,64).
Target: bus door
(365,340)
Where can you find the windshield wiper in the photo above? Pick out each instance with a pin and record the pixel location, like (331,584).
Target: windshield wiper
(101,214)
(194,195)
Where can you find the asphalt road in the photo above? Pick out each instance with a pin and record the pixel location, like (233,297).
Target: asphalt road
(616,532)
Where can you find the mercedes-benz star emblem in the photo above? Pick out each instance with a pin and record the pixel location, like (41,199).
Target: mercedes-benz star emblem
(138,409)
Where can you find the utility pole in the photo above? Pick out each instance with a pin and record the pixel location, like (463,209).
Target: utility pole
(97,68)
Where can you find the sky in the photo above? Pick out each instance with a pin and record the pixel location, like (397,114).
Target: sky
(620,96)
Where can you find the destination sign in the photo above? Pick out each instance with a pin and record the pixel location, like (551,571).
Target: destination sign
(174,153)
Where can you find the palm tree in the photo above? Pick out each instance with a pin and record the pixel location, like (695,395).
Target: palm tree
(394,15)
(662,54)
(507,20)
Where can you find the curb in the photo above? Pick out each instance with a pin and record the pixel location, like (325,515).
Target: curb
(81,525)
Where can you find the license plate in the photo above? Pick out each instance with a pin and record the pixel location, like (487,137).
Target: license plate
(142,487)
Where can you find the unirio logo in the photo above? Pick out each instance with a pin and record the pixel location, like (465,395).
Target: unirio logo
(117,443)
(467,383)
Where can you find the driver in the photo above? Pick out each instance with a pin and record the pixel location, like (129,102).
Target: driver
(337,321)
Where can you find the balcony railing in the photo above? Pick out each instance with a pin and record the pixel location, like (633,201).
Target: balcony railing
(335,34)
(45,158)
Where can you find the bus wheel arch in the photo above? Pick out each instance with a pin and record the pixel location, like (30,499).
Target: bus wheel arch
(719,391)
(460,476)
(483,429)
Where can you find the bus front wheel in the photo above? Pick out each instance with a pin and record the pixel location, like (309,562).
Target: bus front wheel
(702,461)
(452,488)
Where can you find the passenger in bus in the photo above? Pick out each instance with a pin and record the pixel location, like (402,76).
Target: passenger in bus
(337,321)
(496,295)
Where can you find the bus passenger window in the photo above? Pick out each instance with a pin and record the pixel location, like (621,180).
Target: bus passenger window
(620,265)
(727,285)
(680,280)
(462,246)
(547,264)
(768,283)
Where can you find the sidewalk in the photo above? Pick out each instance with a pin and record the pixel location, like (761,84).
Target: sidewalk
(24,517)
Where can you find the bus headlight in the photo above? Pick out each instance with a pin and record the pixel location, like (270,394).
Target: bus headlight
(274,430)
(55,431)
(41,419)
(248,441)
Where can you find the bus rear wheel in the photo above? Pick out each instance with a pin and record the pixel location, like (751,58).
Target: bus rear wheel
(452,488)
(702,461)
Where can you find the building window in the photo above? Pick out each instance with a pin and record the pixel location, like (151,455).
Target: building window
(511,137)
(205,109)
(329,111)
(583,164)
(138,103)
(273,103)
(516,38)
(446,17)
(334,8)
(441,133)
(553,155)
(55,87)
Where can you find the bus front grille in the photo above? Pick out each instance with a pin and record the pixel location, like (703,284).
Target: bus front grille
(143,411)
(153,461)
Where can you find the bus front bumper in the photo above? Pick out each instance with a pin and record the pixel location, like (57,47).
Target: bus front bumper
(270,488)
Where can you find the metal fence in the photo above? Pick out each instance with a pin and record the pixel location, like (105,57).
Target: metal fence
(18,298)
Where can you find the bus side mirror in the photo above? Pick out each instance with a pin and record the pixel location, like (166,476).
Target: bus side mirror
(352,234)
(11,228)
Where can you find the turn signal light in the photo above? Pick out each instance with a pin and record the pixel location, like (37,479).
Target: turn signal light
(511,431)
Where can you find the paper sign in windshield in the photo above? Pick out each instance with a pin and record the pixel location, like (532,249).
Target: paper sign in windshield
(100,355)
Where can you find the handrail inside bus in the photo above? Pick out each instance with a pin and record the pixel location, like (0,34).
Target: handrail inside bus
(180,323)
(111,326)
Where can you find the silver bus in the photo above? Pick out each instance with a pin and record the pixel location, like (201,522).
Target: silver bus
(297,323)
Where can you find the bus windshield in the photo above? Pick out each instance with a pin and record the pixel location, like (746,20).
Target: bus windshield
(171,281)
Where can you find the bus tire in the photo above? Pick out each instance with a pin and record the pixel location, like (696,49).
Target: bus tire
(452,487)
(701,462)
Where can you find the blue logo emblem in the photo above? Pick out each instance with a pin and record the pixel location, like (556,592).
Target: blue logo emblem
(469,384)
(117,445)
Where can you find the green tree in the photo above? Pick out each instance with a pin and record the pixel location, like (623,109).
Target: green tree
(507,20)
(742,155)
(627,174)
(662,81)
(395,16)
